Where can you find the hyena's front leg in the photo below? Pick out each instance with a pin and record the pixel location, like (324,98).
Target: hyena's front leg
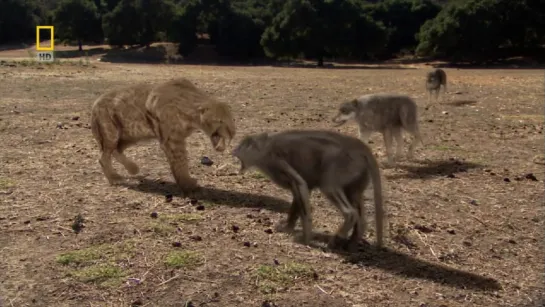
(176,153)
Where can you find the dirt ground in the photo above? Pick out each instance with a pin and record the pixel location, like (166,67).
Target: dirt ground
(465,219)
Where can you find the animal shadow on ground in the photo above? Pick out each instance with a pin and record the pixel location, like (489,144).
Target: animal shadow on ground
(432,169)
(213,195)
(384,258)
(391,260)
(461,103)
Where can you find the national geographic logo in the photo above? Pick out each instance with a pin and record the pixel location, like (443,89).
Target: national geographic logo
(45,53)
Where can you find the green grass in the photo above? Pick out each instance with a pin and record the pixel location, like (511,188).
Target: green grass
(98,264)
(183,259)
(6,183)
(272,277)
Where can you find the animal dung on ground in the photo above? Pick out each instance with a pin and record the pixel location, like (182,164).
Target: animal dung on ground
(206,161)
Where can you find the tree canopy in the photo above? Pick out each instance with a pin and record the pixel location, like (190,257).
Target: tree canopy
(474,30)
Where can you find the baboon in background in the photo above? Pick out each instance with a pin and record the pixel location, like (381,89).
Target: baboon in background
(434,80)
(302,160)
(170,112)
(388,114)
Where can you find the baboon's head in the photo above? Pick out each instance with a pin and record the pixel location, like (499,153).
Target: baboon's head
(250,150)
(347,111)
(218,124)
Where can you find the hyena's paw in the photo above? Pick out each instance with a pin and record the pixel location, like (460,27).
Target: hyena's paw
(188,184)
(114,178)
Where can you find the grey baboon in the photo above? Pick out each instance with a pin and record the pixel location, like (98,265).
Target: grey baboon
(388,114)
(170,112)
(434,80)
(303,160)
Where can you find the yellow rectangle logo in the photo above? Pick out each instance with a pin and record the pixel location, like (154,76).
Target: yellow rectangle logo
(38,47)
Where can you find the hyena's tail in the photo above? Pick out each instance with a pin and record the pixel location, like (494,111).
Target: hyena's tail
(96,129)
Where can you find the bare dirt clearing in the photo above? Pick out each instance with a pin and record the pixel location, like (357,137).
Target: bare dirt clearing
(466,220)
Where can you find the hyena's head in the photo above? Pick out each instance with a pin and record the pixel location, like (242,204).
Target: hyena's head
(432,77)
(347,111)
(250,150)
(217,122)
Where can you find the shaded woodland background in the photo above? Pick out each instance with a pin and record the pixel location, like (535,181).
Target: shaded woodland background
(476,31)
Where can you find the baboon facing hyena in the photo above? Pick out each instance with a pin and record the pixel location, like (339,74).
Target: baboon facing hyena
(170,112)
(434,80)
(340,166)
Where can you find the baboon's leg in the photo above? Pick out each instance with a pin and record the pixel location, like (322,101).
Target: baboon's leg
(387,134)
(398,136)
(350,214)
(176,153)
(301,194)
(437,93)
(293,215)
(118,154)
(355,197)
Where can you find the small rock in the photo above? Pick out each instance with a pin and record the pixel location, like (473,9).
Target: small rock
(200,207)
(176,244)
(315,275)
(206,161)
(451,231)
(518,178)
(154,215)
(255,244)
(195,238)
(268,230)
(422,228)
(75,118)
(235,228)
(137,303)
(268,304)
(506,179)
(247,244)
(276,262)
(530,176)
(473,202)
(430,120)
(467,243)
(193,201)
(168,198)
(451,175)
(512,241)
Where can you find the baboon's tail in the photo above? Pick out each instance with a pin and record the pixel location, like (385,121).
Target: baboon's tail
(380,217)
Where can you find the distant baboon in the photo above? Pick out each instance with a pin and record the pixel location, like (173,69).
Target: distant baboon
(302,160)
(434,80)
(388,114)
(170,112)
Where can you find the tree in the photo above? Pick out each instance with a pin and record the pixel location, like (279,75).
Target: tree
(138,21)
(317,29)
(183,27)
(403,19)
(78,20)
(18,20)
(482,30)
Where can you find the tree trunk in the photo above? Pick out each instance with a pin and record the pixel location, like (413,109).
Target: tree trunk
(80,47)
(320,61)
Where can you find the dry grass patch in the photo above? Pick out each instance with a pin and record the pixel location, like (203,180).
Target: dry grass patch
(273,278)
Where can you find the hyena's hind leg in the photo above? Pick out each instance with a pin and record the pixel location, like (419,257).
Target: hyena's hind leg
(118,154)
(109,140)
